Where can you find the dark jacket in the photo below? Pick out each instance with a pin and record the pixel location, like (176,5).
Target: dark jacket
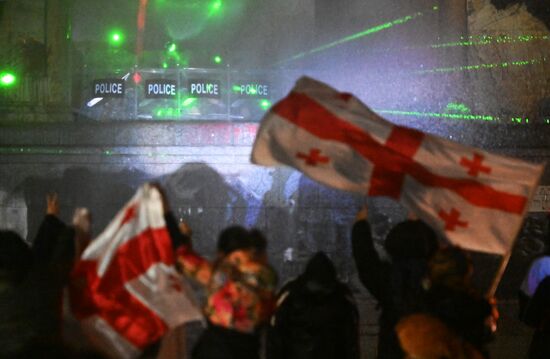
(463,311)
(54,255)
(397,286)
(32,309)
(316,317)
(537,315)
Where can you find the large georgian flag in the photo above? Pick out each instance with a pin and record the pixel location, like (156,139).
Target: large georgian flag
(475,198)
(125,290)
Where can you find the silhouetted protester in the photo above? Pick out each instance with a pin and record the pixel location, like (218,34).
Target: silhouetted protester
(316,316)
(395,284)
(240,296)
(54,254)
(537,315)
(452,299)
(201,194)
(15,260)
(240,293)
(32,297)
(535,305)
(15,263)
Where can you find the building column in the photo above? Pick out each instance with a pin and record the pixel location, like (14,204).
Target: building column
(453,27)
(58,35)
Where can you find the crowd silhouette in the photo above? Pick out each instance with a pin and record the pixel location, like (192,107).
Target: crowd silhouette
(429,307)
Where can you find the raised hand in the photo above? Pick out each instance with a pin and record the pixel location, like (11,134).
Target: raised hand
(165,204)
(52,204)
(362,214)
(185,229)
(82,220)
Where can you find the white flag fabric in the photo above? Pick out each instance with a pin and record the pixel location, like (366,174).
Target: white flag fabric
(125,290)
(476,199)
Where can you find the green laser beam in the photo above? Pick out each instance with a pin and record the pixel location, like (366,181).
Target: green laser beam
(453,116)
(357,35)
(166,112)
(174,55)
(489,40)
(458,107)
(189,101)
(459,116)
(519,63)
(478,40)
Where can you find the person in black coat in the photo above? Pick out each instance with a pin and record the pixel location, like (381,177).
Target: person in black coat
(395,284)
(452,298)
(316,316)
(537,315)
(15,263)
(535,304)
(31,300)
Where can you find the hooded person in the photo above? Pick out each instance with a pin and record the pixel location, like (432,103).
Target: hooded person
(316,316)
(534,300)
(396,284)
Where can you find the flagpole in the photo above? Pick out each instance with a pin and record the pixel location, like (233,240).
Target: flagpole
(506,258)
(498,276)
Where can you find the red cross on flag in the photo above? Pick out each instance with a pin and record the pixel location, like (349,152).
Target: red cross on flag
(476,199)
(124,289)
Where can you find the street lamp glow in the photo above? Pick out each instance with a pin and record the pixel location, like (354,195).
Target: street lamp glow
(115,38)
(215,7)
(7,79)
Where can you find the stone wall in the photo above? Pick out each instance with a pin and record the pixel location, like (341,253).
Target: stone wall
(517,47)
